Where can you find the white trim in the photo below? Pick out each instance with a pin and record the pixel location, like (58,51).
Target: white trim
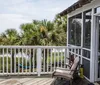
(82,35)
(96,49)
(87,78)
(96,54)
(67,51)
(86,58)
(67,29)
(86,49)
(93,4)
(71,46)
(39,61)
(18,73)
(29,47)
(92,58)
(97,14)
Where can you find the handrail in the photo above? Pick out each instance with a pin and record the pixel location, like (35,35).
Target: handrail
(68,47)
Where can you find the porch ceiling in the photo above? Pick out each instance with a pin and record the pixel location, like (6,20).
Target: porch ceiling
(75,6)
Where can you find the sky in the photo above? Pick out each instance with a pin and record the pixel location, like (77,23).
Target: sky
(13,13)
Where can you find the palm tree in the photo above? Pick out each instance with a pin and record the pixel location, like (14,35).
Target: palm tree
(10,37)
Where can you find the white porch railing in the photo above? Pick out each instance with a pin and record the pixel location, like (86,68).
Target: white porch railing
(26,60)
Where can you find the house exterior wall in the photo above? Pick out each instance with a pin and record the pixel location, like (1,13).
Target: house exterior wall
(91,61)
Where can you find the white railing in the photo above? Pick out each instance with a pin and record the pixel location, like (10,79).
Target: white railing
(26,60)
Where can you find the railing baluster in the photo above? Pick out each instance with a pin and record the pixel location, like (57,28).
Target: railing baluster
(61,58)
(54,59)
(75,52)
(7,60)
(51,59)
(44,60)
(22,61)
(0,61)
(64,58)
(47,59)
(26,59)
(78,52)
(58,58)
(30,60)
(11,61)
(15,60)
(3,60)
(33,59)
(18,60)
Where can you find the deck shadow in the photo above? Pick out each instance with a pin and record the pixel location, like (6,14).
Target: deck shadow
(78,81)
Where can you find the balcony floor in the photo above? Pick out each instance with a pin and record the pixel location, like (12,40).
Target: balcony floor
(34,80)
(26,80)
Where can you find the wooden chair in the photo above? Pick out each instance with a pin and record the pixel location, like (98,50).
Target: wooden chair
(66,73)
(71,61)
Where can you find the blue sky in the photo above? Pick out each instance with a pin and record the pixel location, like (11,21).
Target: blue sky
(15,12)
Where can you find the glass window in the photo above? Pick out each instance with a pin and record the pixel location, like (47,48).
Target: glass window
(86,67)
(87,29)
(86,53)
(75,24)
(97,10)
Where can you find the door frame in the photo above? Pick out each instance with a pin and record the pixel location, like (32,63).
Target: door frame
(96,18)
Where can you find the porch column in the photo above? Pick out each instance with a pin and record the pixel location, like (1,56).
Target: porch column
(93,48)
(39,61)
(67,30)
(67,34)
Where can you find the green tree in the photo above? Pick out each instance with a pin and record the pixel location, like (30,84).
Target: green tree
(9,37)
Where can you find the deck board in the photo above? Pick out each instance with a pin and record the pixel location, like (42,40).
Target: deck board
(26,81)
(34,80)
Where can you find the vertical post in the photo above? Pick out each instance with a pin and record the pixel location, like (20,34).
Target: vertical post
(11,61)
(92,58)
(7,61)
(15,60)
(82,35)
(96,49)
(3,61)
(66,49)
(39,61)
(51,58)
(67,30)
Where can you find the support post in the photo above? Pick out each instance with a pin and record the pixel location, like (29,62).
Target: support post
(39,61)
(93,48)
(82,37)
(67,50)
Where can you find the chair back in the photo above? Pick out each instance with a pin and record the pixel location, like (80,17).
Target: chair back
(71,60)
(75,65)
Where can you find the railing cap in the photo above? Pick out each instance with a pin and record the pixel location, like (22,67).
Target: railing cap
(66,47)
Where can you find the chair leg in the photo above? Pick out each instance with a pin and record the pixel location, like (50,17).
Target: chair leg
(71,82)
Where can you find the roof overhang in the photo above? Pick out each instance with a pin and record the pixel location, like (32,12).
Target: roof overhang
(75,6)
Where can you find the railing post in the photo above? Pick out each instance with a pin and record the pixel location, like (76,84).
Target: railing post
(39,54)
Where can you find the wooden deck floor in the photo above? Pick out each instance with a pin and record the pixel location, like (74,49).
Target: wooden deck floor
(34,80)
(26,80)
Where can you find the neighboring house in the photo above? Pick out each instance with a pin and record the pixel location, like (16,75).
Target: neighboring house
(83,30)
